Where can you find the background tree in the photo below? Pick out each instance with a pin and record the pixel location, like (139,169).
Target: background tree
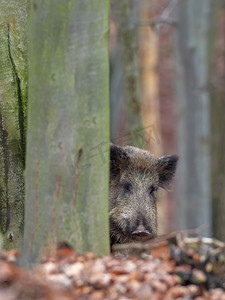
(68,127)
(13,111)
(125,13)
(149,79)
(192,74)
(217,90)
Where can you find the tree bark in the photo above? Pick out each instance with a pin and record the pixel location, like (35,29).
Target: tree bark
(193,200)
(126,14)
(68,127)
(148,58)
(218,120)
(13,108)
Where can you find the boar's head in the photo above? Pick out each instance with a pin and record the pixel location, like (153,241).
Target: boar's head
(135,176)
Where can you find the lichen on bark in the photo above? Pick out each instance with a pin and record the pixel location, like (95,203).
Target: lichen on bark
(13,110)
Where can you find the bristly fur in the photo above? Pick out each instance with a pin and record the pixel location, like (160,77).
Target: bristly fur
(135,176)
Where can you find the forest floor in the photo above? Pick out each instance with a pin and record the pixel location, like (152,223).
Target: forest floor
(178,267)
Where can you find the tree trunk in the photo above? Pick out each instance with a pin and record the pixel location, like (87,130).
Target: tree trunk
(218,122)
(148,58)
(68,127)
(193,178)
(126,14)
(116,86)
(13,107)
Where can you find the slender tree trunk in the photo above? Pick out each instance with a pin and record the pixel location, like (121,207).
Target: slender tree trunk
(68,127)
(13,107)
(148,58)
(218,121)
(116,86)
(193,180)
(126,14)
(149,73)
(168,121)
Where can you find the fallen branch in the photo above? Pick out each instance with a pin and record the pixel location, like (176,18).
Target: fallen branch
(176,237)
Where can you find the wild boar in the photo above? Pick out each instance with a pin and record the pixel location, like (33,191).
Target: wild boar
(135,176)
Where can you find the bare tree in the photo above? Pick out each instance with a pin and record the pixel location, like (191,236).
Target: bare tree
(218,118)
(67,169)
(192,59)
(127,32)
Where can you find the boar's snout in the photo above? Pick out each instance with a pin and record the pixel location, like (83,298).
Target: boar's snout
(141,234)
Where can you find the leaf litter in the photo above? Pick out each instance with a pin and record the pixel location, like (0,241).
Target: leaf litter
(175,266)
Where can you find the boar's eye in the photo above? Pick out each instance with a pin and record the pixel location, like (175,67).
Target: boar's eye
(127,187)
(152,189)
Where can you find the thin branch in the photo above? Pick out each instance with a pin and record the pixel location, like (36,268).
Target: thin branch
(169,9)
(157,21)
(159,241)
(164,18)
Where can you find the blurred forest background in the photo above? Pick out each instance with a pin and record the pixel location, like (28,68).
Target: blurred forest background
(167,76)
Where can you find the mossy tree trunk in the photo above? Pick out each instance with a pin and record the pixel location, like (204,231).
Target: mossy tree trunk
(13,110)
(68,127)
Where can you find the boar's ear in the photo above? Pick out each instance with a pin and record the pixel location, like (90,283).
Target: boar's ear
(167,168)
(118,160)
